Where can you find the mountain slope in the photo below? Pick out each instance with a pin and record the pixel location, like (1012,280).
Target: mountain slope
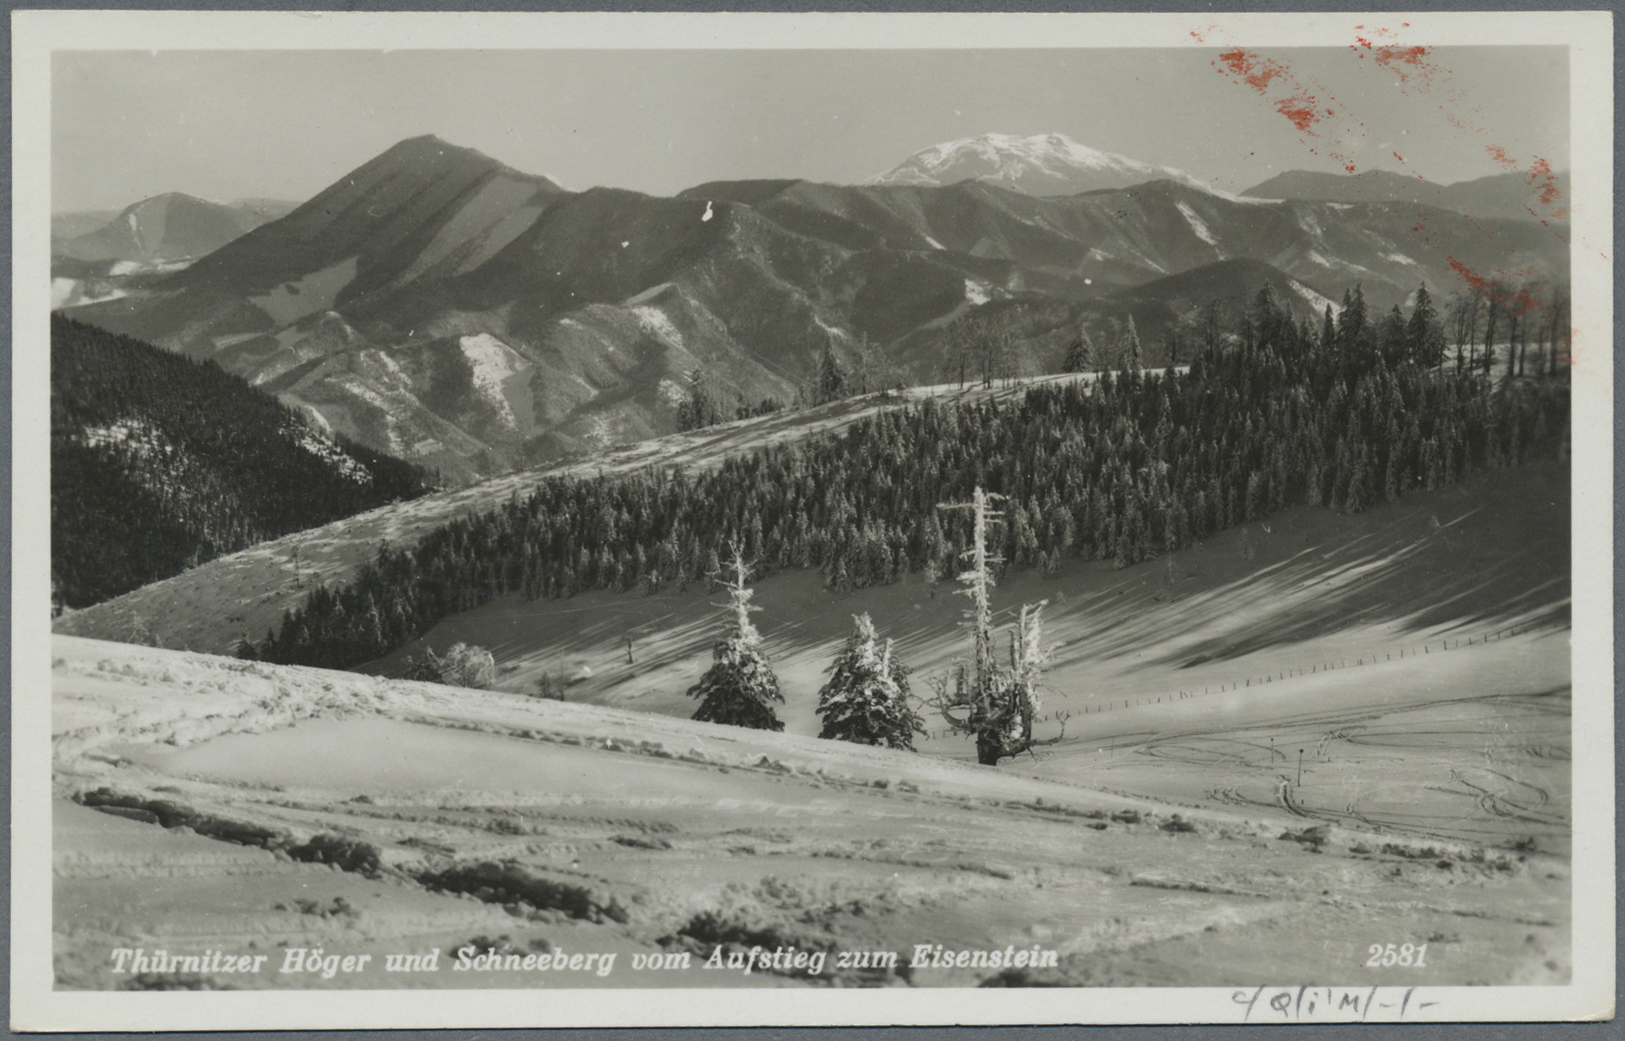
(1508,196)
(166,227)
(1042,165)
(1226,282)
(439,306)
(74,223)
(212,606)
(158,464)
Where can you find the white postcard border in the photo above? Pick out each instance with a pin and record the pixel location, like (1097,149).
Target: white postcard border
(36,1006)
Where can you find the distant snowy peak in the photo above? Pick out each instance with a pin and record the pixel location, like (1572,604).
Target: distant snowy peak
(1043,165)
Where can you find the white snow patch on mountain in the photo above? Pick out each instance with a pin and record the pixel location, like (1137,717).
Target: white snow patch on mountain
(656,323)
(834,333)
(1315,300)
(493,362)
(1399,258)
(317,421)
(671,393)
(331,454)
(392,437)
(1196,223)
(389,363)
(976,293)
(136,435)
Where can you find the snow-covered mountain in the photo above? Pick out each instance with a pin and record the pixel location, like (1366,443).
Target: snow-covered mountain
(1042,165)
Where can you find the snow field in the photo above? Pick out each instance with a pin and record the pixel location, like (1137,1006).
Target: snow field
(630,832)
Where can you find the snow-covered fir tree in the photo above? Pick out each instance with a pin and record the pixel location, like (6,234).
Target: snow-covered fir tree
(1080,357)
(1128,351)
(866,700)
(740,688)
(832,381)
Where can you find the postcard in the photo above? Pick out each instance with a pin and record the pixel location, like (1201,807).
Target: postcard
(533,520)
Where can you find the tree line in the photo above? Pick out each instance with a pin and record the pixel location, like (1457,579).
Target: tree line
(1272,412)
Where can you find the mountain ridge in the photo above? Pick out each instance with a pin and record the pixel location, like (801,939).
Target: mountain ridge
(167,227)
(1535,196)
(439,306)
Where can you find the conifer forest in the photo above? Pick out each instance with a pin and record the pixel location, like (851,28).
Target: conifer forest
(1271,412)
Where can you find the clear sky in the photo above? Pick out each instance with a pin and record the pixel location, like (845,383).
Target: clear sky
(284,124)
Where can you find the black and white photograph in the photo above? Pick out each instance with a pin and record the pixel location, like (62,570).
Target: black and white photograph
(859,513)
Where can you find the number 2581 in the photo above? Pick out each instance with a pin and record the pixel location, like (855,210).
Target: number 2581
(1405,954)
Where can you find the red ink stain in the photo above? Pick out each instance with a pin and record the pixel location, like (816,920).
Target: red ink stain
(1406,62)
(1302,105)
(1300,111)
(1544,181)
(1255,71)
(1541,178)
(1396,155)
(1512,297)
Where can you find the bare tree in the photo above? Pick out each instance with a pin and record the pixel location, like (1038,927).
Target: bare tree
(1557,318)
(1494,307)
(956,362)
(992,701)
(1463,318)
(871,369)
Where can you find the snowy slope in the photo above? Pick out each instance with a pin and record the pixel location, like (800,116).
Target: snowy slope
(202,802)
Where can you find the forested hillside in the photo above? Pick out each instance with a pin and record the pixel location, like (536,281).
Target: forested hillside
(1270,414)
(159,463)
